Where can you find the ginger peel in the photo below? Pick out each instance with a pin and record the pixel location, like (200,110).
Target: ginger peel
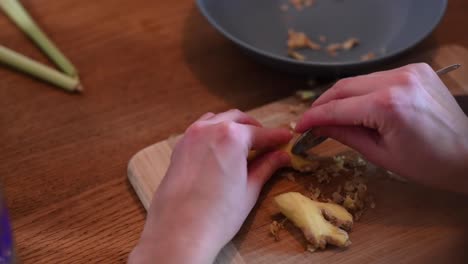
(298,163)
(321,223)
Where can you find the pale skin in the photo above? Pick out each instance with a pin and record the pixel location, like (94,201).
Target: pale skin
(404,120)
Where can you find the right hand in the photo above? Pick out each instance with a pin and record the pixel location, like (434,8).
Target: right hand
(404,120)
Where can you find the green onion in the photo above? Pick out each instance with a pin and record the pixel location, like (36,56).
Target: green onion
(306,95)
(38,70)
(21,18)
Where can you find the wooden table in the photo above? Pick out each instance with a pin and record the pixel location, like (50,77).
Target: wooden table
(149,68)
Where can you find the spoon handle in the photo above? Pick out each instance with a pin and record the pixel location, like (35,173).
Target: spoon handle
(448,69)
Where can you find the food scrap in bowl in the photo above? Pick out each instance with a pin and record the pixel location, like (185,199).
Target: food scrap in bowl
(333,49)
(346,45)
(322,38)
(368,56)
(350,43)
(299,40)
(301,4)
(296,55)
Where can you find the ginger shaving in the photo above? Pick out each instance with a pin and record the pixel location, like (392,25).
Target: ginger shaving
(296,55)
(300,4)
(299,40)
(275,228)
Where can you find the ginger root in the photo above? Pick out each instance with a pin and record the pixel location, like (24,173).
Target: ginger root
(298,163)
(321,223)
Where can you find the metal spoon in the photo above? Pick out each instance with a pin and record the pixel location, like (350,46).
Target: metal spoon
(309,140)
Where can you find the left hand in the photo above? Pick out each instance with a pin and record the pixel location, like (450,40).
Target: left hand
(209,189)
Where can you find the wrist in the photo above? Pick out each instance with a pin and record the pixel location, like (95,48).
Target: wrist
(178,250)
(175,244)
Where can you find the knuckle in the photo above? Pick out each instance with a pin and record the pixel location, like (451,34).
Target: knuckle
(331,106)
(226,132)
(422,67)
(207,114)
(235,111)
(195,130)
(412,73)
(330,109)
(408,78)
(342,83)
(391,102)
(340,86)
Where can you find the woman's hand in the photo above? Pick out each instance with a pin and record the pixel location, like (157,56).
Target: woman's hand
(209,189)
(404,120)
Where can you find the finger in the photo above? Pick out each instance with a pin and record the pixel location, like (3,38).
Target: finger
(364,84)
(262,168)
(353,86)
(236,116)
(263,138)
(364,140)
(206,116)
(349,111)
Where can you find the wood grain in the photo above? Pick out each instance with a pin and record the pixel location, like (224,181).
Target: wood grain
(150,68)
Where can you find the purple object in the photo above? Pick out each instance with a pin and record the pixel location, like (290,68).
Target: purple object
(6,239)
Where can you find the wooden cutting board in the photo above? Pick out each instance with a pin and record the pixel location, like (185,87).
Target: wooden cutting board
(410,224)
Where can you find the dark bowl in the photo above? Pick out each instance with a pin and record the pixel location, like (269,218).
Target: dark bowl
(385,27)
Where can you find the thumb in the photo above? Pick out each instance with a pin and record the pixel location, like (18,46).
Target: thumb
(262,168)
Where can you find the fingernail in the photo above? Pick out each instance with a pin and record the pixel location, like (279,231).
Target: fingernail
(298,126)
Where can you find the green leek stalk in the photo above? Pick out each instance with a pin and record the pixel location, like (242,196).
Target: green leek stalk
(38,70)
(306,95)
(21,18)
